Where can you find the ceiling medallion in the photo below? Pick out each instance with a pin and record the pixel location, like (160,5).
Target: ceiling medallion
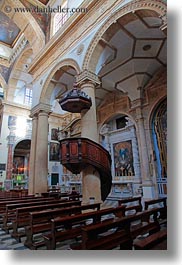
(80,49)
(147,47)
(75,101)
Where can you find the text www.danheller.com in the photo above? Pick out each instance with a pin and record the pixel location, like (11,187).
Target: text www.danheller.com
(46,9)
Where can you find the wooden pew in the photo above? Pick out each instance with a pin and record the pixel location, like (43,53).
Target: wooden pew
(10,211)
(18,200)
(153,202)
(22,216)
(41,221)
(151,240)
(62,195)
(157,203)
(19,192)
(15,198)
(132,204)
(113,233)
(3,203)
(71,225)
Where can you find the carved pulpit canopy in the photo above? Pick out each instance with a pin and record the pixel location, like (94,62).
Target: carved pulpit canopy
(75,101)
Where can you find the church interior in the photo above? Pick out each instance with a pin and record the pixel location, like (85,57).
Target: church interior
(83,124)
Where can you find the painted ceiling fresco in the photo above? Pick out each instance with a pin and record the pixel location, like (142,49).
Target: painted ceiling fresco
(9,30)
(34,2)
(41,18)
(44,1)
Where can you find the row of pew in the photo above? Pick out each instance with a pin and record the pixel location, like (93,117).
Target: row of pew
(130,225)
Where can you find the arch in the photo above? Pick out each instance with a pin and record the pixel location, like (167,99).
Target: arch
(20,139)
(2,81)
(21,156)
(20,65)
(155,5)
(27,24)
(45,93)
(111,116)
(4,86)
(154,108)
(159,140)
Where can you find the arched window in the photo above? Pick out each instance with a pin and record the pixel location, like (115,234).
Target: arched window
(159,132)
(28,96)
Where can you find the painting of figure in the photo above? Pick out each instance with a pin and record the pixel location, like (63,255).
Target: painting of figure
(12,121)
(54,152)
(54,134)
(123,159)
(18,165)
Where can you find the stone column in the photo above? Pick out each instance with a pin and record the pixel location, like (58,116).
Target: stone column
(32,155)
(11,140)
(90,176)
(41,162)
(39,149)
(148,189)
(136,161)
(88,118)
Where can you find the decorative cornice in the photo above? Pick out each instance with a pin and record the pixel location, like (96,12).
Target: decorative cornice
(19,48)
(4,62)
(69,35)
(41,107)
(87,76)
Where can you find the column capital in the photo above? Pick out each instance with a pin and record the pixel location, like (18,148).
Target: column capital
(41,107)
(86,77)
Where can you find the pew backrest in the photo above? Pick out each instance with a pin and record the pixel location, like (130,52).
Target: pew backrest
(153,202)
(132,204)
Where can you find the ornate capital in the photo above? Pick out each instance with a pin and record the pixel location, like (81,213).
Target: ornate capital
(41,107)
(87,76)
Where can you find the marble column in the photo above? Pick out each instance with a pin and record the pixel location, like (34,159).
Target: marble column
(11,140)
(147,184)
(32,155)
(91,186)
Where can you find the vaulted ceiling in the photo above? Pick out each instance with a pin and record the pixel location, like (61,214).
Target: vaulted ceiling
(44,1)
(134,48)
(37,2)
(128,55)
(9,30)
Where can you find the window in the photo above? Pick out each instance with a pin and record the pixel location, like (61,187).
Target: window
(28,96)
(60,18)
(121,122)
(1,92)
